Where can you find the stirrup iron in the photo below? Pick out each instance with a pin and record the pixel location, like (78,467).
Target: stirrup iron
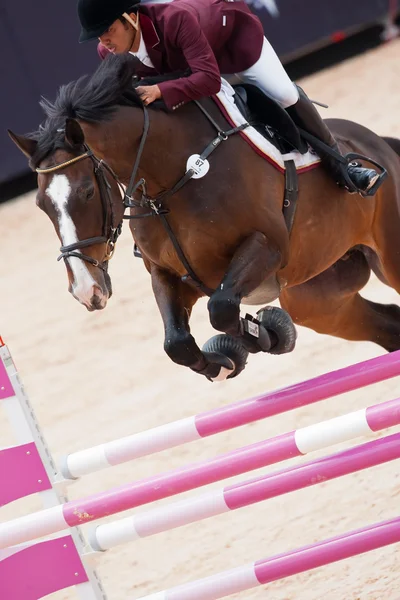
(354,157)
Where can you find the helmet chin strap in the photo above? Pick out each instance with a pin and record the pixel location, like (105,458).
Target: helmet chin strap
(134,24)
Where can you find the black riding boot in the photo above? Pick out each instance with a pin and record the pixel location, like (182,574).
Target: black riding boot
(306,116)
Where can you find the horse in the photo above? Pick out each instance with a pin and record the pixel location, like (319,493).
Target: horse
(223,234)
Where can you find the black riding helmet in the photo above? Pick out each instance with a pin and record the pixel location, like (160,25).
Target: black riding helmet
(96,16)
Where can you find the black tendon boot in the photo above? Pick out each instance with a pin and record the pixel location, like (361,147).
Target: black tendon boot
(306,116)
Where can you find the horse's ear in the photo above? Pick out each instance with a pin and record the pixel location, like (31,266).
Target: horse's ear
(73,133)
(25,144)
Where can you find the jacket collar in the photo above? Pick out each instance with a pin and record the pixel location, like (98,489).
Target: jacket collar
(149,32)
(151,40)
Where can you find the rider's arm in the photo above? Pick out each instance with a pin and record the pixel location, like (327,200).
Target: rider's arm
(183,31)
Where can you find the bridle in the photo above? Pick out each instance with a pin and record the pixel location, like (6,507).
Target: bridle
(111,231)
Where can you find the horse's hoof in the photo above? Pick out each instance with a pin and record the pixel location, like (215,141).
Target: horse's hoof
(217,366)
(280,325)
(230,347)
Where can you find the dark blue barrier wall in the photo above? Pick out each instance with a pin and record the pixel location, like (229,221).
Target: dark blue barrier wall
(39,51)
(295,27)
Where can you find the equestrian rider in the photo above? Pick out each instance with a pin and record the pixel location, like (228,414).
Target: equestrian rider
(212,38)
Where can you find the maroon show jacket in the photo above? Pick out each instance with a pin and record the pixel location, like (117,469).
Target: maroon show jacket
(208,36)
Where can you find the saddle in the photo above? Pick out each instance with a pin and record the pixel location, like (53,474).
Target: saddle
(278,128)
(254,104)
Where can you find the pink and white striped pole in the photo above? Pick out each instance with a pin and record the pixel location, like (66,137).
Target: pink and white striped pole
(230,416)
(291,563)
(245,493)
(142,492)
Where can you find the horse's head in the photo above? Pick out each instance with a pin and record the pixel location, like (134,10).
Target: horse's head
(82,197)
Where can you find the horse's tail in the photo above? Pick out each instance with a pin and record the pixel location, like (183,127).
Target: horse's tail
(394,143)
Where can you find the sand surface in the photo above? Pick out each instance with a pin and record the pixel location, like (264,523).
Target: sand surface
(96,377)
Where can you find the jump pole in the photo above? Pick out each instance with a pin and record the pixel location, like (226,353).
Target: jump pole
(231,416)
(246,493)
(155,488)
(291,563)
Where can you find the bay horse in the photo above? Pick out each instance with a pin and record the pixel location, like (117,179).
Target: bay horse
(223,235)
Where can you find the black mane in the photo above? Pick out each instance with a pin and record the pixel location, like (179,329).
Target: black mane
(93,98)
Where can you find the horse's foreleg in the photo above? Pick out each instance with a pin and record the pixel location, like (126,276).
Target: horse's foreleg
(175,301)
(255,260)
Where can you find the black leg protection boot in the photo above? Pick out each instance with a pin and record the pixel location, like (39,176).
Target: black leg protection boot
(306,116)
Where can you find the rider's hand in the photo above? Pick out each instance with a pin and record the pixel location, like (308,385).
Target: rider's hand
(148,93)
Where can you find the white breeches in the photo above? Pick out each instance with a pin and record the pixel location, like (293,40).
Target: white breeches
(269,75)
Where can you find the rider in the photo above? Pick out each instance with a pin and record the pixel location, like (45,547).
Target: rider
(212,38)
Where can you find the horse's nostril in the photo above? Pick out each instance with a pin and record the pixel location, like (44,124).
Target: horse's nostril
(96,302)
(97,298)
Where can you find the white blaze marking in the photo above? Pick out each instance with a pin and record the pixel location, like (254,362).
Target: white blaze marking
(59,191)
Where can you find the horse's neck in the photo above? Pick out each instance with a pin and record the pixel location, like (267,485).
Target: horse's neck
(116,141)
(171,139)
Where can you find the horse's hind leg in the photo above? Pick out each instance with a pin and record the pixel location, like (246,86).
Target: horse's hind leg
(330,304)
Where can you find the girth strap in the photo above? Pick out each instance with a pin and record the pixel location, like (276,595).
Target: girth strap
(191,276)
(291,194)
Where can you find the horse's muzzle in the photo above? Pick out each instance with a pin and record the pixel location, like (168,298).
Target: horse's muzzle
(93,299)
(93,294)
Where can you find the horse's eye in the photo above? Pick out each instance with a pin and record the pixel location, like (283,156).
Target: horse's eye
(89,193)
(86,193)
